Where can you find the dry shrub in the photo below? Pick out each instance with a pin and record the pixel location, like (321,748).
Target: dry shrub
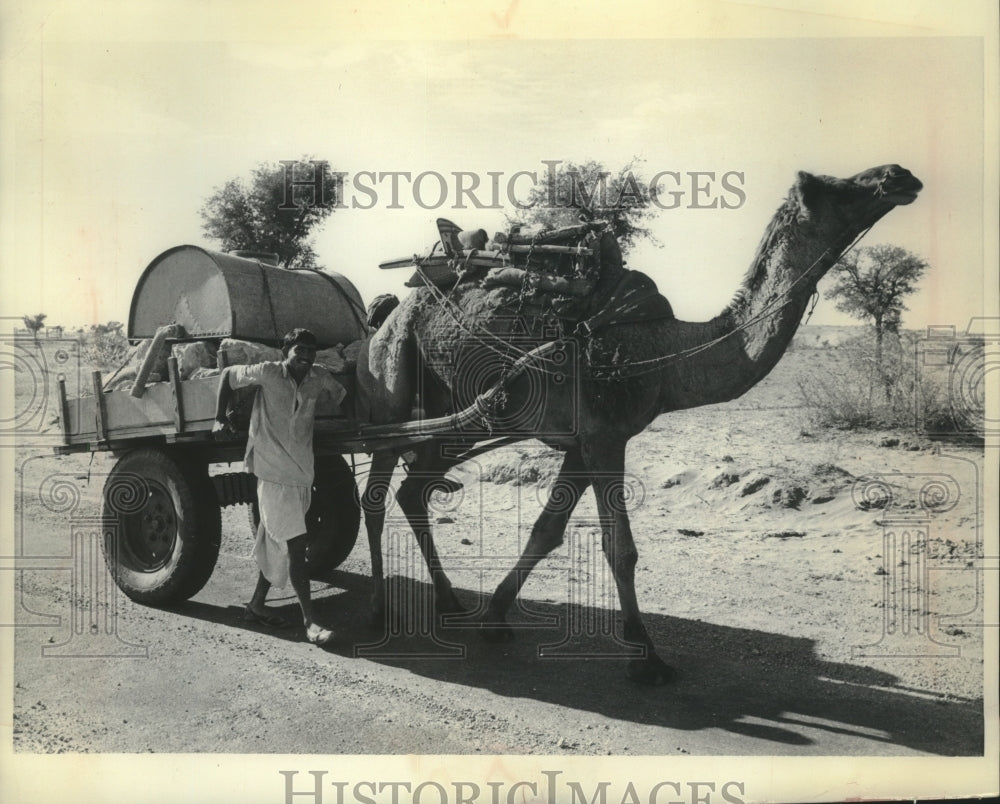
(852,392)
(106,347)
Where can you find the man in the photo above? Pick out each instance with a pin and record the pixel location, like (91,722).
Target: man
(280,453)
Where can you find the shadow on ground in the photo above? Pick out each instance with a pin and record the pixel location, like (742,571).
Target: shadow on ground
(757,684)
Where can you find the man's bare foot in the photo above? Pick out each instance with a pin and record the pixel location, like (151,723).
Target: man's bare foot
(318,635)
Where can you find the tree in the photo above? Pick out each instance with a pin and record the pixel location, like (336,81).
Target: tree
(275,210)
(33,323)
(591,190)
(870,284)
(111,328)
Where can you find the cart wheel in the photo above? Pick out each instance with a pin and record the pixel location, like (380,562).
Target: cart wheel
(334,516)
(163,527)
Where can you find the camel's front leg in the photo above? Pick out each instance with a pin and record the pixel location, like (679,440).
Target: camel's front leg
(546,536)
(374,502)
(607,466)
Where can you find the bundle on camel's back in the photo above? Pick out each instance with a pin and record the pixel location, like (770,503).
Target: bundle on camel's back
(560,275)
(596,385)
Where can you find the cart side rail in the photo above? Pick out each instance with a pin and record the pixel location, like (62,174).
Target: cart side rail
(184,411)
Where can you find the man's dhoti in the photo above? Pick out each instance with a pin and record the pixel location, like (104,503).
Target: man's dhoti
(282,517)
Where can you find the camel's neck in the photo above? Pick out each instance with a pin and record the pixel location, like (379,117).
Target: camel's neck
(752,333)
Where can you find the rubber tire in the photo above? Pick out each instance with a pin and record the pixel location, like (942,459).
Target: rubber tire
(334,517)
(193,526)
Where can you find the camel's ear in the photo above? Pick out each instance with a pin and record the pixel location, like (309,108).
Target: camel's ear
(804,191)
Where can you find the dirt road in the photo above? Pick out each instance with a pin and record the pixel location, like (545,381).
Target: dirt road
(762,579)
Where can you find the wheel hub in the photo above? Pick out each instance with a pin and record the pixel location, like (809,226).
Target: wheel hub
(150,533)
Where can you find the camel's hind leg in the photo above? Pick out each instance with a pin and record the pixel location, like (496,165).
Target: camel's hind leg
(546,536)
(424,477)
(607,467)
(374,502)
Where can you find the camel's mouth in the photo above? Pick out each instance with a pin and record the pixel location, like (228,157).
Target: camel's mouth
(899,187)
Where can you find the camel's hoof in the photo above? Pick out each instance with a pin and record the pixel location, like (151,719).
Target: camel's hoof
(378,619)
(378,612)
(496,632)
(448,604)
(651,671)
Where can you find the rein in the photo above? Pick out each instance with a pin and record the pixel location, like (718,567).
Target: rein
(772,309)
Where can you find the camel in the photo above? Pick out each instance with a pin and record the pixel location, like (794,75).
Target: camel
(618,378)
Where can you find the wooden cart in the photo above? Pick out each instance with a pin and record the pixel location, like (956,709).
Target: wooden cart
(161,506)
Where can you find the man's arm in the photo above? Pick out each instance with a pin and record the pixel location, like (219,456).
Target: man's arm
(222,425)
(335,390)
(232,379)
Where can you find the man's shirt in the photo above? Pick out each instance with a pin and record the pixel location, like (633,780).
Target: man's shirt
(280,447)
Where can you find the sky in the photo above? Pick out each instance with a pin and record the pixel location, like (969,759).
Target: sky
(114,134)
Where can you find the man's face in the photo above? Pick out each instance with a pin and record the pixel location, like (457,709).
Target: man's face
(299,360)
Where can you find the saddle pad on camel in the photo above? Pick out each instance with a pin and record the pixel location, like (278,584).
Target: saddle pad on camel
(634,299)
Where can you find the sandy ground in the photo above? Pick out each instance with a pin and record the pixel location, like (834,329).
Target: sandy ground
(804,615)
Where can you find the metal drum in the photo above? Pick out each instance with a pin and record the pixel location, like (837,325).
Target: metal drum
(215,295)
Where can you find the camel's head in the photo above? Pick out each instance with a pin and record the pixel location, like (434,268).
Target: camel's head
(863,198)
